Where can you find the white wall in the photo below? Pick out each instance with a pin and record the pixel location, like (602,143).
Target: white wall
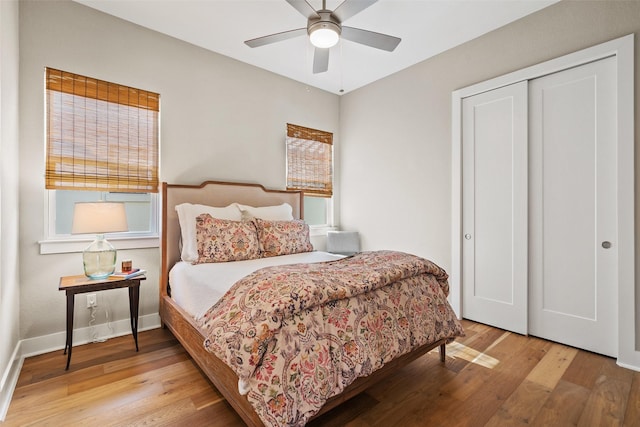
(220,119)
(9,288)
(394,165)
(226,121)
(395,134)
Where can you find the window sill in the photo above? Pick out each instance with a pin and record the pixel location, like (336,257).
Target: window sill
(62,246)
(320,230)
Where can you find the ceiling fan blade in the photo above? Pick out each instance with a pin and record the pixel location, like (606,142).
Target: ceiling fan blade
(277,37)
(348,8)
(304,8)
(320,60)
(370,38)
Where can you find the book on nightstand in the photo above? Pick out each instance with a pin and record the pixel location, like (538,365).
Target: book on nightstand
(129,274)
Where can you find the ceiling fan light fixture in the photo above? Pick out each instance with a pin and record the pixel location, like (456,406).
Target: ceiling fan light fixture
(324,38)
(324,33)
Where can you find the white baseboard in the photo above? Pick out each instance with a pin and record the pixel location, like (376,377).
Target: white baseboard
(628,366)
(102,331)
(9,381)
(48,343)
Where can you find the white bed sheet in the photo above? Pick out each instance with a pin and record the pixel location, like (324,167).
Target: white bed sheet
(196,288)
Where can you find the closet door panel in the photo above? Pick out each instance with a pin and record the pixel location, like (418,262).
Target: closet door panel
(494,219)
(573,273)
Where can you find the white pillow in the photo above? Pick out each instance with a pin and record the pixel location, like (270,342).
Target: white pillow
(187,214)
(283,212)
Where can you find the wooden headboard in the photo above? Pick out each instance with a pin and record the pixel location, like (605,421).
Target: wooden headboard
(212,193)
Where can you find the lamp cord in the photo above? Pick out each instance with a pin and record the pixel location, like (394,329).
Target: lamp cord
(93,331)
(106,311)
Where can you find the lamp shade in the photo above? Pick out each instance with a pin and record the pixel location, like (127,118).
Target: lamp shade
(99,218)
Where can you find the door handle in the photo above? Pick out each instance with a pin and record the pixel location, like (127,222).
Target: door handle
(467,236)
(606,244)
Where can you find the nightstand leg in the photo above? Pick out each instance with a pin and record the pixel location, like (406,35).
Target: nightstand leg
(69,344)
(134,298)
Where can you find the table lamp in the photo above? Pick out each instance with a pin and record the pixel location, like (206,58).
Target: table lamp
(99,257)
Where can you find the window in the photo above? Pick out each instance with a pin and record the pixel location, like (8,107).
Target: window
(310,169)
(139,206)
(101,144)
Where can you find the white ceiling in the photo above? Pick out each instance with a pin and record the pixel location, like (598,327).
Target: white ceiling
(426,27)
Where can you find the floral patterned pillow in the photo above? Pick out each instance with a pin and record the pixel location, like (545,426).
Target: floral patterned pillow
(221,240)
(283,237)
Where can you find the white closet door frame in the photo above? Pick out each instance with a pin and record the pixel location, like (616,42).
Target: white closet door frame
(623,49)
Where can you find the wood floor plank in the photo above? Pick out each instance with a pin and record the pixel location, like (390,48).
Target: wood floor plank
(522,406)
(517,355)
(135,414)
(219,415)
(101,400)
(172,413)
(474,376)
(111,377)
(490,378)
(347,415)
(564,406)
(416,384)
(159,409)
(584,369)
(36,395)
(632,416)
(552,367)
(427,371)
(607,403)
(192,383)
(158,352)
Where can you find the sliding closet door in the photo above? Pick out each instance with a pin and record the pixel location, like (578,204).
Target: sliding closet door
(573,216)
(494,200)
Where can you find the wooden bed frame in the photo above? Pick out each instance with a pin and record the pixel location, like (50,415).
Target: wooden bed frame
(183,327)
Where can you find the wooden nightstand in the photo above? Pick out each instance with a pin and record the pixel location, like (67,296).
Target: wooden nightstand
(73,285)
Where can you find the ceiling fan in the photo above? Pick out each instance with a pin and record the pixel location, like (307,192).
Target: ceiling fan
(325,28)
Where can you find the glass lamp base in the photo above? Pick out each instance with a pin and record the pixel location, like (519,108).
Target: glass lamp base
(99,259)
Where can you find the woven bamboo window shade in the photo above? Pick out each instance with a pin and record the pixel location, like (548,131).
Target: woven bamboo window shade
(309,160)
(101,136)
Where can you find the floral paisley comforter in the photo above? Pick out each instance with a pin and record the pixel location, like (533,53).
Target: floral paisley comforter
(297,335)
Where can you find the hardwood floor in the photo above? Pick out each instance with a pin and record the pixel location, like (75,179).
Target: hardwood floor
(490,378)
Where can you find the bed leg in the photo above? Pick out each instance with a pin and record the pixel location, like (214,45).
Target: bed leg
(442,353)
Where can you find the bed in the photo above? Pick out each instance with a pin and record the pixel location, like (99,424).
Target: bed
(244,377)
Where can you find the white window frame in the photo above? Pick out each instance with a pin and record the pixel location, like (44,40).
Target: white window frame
(321,229)
(67,243)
